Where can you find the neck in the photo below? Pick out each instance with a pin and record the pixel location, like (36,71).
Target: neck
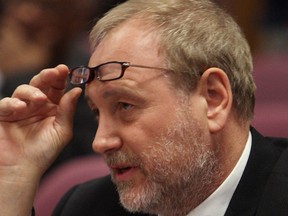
(232,143)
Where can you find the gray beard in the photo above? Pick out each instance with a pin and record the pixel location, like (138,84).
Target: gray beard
(180,169)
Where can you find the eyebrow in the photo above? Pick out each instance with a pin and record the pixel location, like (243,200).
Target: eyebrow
(117,92)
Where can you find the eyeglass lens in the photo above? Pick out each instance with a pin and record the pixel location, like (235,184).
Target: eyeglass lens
(79,75)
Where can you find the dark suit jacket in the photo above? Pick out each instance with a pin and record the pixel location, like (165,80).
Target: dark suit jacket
(263,188)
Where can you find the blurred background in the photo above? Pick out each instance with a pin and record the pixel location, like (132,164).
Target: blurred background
(35,34)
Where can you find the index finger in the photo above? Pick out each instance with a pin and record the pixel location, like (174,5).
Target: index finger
(52,82)
(51,78)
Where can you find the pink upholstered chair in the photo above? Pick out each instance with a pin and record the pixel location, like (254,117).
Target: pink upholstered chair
(60,180)
(271,111)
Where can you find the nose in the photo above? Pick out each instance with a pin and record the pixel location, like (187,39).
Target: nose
(106,139)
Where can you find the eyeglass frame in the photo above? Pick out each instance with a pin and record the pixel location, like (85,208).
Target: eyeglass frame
(94,70)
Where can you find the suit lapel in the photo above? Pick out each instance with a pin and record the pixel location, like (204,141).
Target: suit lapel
(261,161)
(275,195)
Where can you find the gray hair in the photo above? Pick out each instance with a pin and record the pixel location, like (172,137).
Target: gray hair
(194,35)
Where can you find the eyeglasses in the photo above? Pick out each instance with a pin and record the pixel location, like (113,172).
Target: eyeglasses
(108,71)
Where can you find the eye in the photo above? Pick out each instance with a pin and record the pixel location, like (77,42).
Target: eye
(125,106)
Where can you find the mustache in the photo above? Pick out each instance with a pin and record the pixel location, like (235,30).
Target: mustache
(122,157)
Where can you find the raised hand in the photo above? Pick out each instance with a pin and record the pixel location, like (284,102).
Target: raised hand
(35,124)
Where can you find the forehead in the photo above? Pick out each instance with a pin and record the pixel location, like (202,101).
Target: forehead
(133,41)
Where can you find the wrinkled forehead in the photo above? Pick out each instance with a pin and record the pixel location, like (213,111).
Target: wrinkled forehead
(134,85)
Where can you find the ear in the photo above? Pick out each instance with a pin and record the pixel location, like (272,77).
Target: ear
(215,86)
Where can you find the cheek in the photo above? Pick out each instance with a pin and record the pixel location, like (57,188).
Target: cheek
(144,135)
(178,144)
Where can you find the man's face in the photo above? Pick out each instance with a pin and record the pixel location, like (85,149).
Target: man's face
(154,139)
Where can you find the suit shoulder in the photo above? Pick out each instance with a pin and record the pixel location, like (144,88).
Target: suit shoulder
(282,143)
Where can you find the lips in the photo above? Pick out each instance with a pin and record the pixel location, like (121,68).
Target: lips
(123,166)
(122,170)
(123,173)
